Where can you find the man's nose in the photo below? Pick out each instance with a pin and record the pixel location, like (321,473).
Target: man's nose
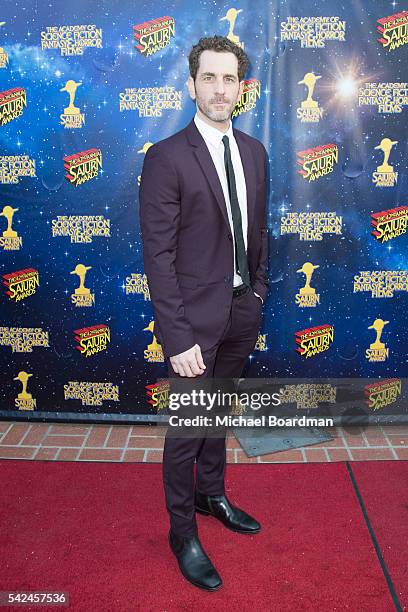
(220,86)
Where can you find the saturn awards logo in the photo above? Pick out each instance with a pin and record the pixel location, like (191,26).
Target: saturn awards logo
(383,393)
(314,340)
(309,111)
(12,103)
(82,295)
(153,353)
(385,175)
(249,97)
(72,117)
(393,30)
(377,351)
(24,400)
(154,35)
(158,394)
(318,161)
(390,223)
(21,284)
(83,166)
(307,296)
(93,339)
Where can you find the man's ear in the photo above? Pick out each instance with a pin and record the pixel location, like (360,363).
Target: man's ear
(191,87)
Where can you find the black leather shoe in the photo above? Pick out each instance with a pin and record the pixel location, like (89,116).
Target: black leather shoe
(231,516)
(194,563)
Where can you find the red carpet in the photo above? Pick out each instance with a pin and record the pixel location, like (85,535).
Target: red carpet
(384,489)
(99,531)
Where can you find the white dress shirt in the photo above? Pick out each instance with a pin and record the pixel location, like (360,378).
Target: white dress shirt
(213,139)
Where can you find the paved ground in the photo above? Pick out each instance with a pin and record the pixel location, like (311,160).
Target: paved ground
(140,443)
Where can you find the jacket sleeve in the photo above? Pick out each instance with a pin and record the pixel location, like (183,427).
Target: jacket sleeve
(261,282)
(160,210)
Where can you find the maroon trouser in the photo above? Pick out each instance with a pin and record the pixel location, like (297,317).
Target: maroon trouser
(225,360)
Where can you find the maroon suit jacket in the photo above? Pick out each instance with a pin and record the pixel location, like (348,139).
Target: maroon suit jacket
(187,241)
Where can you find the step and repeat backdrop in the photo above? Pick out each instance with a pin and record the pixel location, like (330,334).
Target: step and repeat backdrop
(87,87)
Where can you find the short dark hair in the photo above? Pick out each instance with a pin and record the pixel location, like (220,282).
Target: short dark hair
(217,43)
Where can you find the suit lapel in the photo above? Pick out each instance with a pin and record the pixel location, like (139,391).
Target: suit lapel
(205,160)
(250,176)
(207,165)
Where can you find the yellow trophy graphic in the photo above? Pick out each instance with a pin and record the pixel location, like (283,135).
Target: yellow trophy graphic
(378,326)
(81,270)
(2,23)
(154,345)
(23,378)
(385,146)
(8,212)
(70,87)
(231,16)
(307,269)
(310,81)
(145,147)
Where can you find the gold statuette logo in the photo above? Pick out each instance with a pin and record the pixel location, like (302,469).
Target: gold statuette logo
(154,352)
(309,111)
(385,175)
(82,295)
(231,17)
(377,350)
(3,54)
(24,400)
(10,240)
(72,116)
(307,296)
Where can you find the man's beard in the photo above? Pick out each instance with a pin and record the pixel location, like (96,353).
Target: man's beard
(215,115)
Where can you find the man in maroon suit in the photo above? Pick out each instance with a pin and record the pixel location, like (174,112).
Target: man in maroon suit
(203,218)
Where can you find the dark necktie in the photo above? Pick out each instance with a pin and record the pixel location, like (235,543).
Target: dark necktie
(240,254)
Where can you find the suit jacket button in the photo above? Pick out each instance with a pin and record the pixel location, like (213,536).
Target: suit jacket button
(227,279)
(229,236)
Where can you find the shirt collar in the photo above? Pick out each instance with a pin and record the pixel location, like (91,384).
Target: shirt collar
(211,134)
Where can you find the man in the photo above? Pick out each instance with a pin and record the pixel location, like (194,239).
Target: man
(204,231)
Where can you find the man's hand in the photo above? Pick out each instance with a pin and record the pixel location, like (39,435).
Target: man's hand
(189,363)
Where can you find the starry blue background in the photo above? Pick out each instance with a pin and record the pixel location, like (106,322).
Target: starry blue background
(104,73)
